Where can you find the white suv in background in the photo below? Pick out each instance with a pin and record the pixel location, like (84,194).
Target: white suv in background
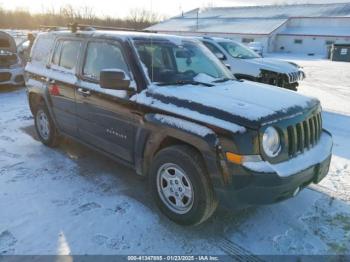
(257,47)
(246,64)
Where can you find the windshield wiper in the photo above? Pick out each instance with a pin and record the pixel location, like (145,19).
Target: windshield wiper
(222,80)
(185,82)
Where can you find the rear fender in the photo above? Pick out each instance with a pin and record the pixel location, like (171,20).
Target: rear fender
(43,93)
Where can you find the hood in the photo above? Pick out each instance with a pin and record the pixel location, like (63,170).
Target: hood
(275,65)
(7,43)
(245,103)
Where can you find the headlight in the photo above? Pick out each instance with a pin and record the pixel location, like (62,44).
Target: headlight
(271,142)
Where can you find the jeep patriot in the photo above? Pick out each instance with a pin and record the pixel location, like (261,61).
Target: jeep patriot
(167,107)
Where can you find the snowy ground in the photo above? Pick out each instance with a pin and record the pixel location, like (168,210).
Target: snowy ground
(72,200)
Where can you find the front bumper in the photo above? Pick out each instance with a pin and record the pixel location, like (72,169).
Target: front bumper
(12,76)
(263,184)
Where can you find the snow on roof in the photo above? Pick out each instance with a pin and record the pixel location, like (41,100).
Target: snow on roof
(231,26)
(118,34)
(316,30)
(272,11)
(247,20)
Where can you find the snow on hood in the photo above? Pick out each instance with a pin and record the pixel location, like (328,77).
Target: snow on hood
(236,102)
(275,65)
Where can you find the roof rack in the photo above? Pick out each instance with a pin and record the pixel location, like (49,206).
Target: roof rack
(75,27)
(49,28)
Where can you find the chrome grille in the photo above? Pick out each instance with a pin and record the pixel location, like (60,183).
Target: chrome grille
(295,76)
(304,135)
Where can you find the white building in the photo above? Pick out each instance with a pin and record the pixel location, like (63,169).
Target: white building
(308,28)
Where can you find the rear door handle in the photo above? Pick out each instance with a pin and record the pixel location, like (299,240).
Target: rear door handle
(84,92)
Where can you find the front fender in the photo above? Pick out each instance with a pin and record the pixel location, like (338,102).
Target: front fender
(205,140)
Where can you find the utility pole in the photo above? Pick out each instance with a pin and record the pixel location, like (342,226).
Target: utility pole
(198,19)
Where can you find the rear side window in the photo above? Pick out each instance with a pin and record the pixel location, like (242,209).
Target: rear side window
(101,56)
(66,54)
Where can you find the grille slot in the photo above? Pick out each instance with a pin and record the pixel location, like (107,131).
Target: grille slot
(5,77)
(294,77)
(304,135)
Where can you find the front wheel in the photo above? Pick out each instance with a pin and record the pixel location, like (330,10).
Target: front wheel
(181,186)
(45,127)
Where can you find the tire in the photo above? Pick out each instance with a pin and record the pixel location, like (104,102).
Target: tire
(181,167)
(45,127)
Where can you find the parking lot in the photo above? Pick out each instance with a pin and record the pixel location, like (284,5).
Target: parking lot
(71,200)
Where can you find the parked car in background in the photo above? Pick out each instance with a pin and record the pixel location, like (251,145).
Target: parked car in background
(246,64)
(11,65)
(257,47)
(168,108)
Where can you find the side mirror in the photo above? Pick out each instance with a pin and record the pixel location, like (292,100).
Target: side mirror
(228,66)
(114,79)
(221,56)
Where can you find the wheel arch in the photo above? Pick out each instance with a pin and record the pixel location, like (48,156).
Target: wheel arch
(34,100)
(37,96)
(163,135)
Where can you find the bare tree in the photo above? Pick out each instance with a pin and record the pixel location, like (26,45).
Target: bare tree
(23,19)
(87,13)
(68,12)
(143,16)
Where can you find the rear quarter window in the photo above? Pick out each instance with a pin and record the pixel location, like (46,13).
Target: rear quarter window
(42,49)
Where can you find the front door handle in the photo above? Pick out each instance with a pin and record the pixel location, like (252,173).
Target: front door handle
(84,92)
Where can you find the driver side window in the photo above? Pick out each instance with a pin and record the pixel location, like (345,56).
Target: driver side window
(99,56)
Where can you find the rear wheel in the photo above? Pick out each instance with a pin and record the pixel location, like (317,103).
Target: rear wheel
(181,186)
(45,127)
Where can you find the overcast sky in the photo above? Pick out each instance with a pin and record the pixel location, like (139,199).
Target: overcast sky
(118,8)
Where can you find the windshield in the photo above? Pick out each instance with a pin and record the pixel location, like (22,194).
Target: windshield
(237,50)
(190,62)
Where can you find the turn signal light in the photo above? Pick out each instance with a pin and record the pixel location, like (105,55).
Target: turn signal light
(234,158)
